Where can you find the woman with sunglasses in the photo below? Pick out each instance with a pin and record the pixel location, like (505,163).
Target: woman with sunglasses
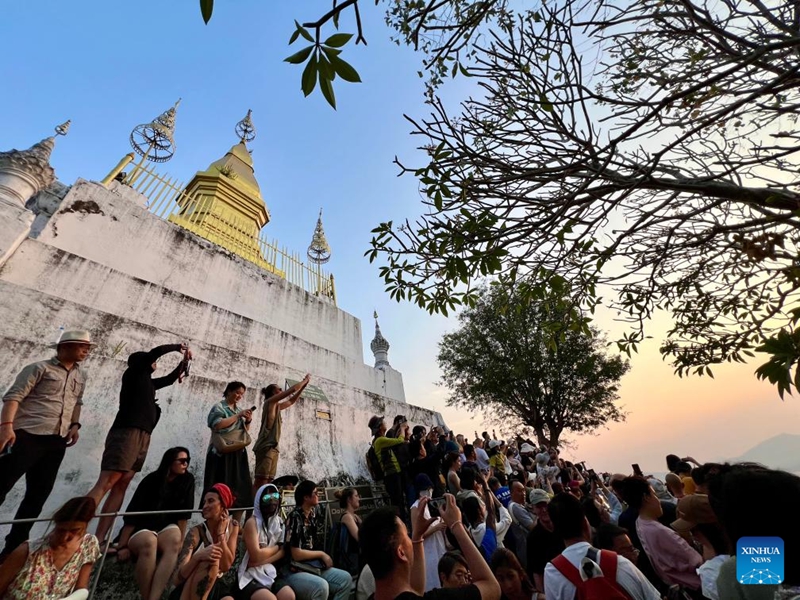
(263,539)
(154,540)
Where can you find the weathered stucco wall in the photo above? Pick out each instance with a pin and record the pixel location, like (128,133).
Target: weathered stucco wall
(106,264)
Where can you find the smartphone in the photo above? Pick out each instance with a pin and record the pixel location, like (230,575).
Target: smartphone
(636,470)
(252,408)
(437,503)
(6,451)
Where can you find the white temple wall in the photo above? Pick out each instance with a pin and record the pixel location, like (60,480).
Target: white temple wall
(106,264)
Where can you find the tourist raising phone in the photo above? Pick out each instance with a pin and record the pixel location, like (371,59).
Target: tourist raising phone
(398,561)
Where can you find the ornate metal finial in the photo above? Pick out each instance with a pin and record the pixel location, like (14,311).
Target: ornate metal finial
(155,141)
(63,128)
(319,252)
(375,314)
(245,130)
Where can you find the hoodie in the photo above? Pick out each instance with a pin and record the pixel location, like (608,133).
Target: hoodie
(270,533)
(137,397)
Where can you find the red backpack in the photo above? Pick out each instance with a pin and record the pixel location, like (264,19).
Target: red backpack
(594,588)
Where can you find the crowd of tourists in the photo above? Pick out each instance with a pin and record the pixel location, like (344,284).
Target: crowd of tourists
(465,520)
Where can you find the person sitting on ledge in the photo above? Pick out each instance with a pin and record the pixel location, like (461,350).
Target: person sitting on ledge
(56,566)
(145,537)
(208,550)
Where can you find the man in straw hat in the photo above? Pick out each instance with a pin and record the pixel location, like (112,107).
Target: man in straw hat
(40,419)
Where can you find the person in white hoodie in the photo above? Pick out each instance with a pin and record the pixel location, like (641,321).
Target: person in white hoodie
(264,533)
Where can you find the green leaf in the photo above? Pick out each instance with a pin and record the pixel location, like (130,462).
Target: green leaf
(299,57)
(336,19)
(309,79)
(325,69)
(304,32)
(545,103)
(463,71)
(344,69)
(327,90)
(206,8)
(337,40)
(294,37)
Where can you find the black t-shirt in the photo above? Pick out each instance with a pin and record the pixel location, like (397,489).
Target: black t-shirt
(543,546)
(467,592)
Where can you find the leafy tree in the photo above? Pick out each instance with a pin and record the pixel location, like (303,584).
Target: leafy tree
(515,360)
(642,154)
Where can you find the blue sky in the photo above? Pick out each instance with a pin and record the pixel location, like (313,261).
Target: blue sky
(110,66)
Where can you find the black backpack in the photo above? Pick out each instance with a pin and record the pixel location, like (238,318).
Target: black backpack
(374,465)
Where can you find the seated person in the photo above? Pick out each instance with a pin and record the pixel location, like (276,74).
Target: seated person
(512,578)
(453,571)
(145,537)
(264,533)
(208,550)
(57,565)
(311,572)
(398,561)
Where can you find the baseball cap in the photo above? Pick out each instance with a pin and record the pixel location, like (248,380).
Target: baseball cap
(375,423)
(538,496)
(574,484)
(494,444)
(693,510)
(526,449)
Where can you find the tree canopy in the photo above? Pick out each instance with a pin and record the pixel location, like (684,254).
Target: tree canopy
(640,154)
(503,360)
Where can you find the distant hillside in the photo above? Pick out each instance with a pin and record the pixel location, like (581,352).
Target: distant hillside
(779,452)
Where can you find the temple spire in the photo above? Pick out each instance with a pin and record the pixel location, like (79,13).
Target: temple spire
(245,130)
(319,252)
(379,346)
(24,173)
(155,141)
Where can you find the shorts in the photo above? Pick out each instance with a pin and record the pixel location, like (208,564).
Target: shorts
(251,588)
(267,463)
(126,450)
(155,533)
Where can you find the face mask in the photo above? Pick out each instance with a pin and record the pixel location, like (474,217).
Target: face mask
(426,494)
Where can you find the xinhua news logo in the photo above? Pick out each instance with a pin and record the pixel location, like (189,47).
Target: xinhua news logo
(759,560)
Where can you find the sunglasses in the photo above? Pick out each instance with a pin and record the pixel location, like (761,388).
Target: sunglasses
(270,496)
(183,461)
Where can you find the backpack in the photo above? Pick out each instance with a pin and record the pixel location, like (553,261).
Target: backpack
(374,465)
(594,587)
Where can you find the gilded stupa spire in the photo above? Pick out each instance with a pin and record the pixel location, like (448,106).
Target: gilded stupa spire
(319,252)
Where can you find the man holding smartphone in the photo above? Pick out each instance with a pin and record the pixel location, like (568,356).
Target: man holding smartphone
(397,561)
(128,440)
(383,445)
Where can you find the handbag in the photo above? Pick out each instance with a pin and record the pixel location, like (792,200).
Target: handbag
(230,441)
(314,567)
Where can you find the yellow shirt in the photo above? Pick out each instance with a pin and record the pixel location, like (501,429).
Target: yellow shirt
(689,486)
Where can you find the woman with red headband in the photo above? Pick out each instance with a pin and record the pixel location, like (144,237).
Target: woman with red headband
(208,550)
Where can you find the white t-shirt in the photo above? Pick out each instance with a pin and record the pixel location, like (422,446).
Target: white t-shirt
(435,547)
(709,571)
(558,587)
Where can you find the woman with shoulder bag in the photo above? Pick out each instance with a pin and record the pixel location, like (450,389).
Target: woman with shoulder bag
(226,460)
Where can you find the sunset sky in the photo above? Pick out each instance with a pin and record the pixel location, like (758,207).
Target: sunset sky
(110,66)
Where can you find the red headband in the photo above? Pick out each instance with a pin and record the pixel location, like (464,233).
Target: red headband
(225,494)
